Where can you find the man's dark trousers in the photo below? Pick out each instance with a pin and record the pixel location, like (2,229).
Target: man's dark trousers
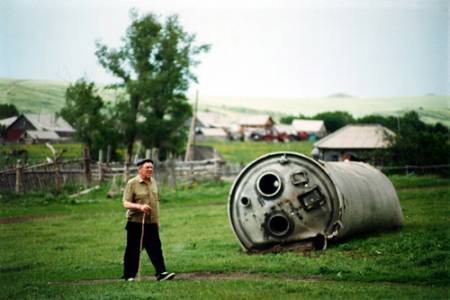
(151,243)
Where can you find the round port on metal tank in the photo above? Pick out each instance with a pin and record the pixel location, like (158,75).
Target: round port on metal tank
(269,185)
(245,201)
(278,225)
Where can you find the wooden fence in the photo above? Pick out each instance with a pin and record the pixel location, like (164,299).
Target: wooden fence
(57,174)
(415,169)
(172,172)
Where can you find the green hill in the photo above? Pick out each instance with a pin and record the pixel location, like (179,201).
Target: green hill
(33,95)
(38,95)
(48,96)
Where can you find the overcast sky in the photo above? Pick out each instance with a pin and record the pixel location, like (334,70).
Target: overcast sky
(284,48)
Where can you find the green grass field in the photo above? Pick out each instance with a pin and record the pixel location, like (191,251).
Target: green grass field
(240,152)
(33,95)
(232,151)
(36,153)
(55,248)
(38,96)
(432,108)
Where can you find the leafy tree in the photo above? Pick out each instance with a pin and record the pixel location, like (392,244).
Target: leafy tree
(7,111)
(288,119)
(417,143)
(87,113)
(334,120)
(414,142)
(440,128)
(390,122)
(154,67)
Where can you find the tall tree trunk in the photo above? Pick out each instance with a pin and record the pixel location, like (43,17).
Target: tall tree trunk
(132,132)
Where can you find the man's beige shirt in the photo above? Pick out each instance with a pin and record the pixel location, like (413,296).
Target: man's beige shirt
(139,191)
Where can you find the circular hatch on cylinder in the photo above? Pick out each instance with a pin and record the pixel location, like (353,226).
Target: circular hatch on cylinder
(269,184)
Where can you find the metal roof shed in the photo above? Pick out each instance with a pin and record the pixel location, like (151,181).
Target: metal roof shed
(351,141)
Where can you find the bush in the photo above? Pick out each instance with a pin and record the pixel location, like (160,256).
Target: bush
(417,143)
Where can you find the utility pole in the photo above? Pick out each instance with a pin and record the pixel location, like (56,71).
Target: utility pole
(191,139)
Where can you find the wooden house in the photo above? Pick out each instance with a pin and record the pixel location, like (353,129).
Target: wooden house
(309,128)
(37,128)
(352,142)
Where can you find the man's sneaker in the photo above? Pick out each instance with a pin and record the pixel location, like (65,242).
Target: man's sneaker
(165,276)
(130,279)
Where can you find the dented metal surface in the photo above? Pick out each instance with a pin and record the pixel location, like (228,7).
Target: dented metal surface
(285,197)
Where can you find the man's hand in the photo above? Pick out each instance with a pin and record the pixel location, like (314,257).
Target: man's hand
(145,208)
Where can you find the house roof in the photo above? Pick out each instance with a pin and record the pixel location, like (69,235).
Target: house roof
(356,137)
(42,135)
(218,132)
(256,120)
(308,125)
(211,119)
(49,122)
(8,121)
(284,128)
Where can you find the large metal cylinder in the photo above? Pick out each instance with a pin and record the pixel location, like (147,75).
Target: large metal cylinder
(285,197)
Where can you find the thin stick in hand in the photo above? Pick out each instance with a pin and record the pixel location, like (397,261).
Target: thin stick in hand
(140,248)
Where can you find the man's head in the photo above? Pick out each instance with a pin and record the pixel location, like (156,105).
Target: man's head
(145,168)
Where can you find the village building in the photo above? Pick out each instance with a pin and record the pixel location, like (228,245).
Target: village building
(36,128)
(8,121)
(211,126)
(38,136)
(284,132)
(257,127)
(211,120)
(311,129)
(352,142)
(203,152)
(210,134)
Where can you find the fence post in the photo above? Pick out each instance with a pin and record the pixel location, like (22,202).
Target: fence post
(87,167)
(171,177)
(148,153)
(19,178)
(191,174)
(156,163)
(155,155)
(126,169)
(217,165)
(100,166)
(114,189)
(57,175)
(108,154)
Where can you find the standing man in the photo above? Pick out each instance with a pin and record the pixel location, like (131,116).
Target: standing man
(141,199)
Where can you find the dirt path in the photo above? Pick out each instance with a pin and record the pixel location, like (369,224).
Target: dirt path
(20,219)
(196,276)
(225,276)
(414,189)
